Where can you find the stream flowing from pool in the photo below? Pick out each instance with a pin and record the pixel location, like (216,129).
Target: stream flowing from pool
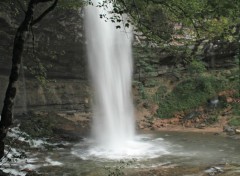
(109,52)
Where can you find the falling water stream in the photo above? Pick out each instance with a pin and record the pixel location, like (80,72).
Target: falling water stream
(110,60)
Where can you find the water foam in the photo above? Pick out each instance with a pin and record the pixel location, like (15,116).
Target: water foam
(143,147)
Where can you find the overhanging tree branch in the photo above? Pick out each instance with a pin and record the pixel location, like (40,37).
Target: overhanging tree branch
(174,8)
(49,9)
(185,14)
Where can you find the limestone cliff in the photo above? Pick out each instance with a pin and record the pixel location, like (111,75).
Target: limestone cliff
(58,43)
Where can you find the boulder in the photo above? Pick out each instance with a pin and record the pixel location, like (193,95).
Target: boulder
(229,130)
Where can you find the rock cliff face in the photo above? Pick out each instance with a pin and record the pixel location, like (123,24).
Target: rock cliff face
(58,44)
(57,40)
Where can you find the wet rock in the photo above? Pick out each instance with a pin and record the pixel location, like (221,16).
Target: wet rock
(53,126)
(213,102)
(69,136)
(237,131)
(201,126)
(71,113)
(214,170)
(58,36)
(32,173)
(229,130)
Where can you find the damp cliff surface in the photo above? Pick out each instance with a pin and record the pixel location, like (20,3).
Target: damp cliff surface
(61,94)
(58,44)
(57,40)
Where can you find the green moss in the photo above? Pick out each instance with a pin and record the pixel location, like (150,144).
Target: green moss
(189,94)
(150,83)
(39,125)
(212,119)
(234,121)
(236,109)
(160,94)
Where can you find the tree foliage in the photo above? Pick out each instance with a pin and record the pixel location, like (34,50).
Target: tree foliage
(203,18)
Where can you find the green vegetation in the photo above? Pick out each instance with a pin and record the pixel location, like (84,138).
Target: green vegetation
(204,19)
(144,61)
(194,88)
(189,94)
(196,68)
(38,126)
(236,109)
(142,91)
(213,119)
(235,121)
(118,170)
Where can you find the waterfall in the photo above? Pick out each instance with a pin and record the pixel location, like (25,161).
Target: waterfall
(109,54)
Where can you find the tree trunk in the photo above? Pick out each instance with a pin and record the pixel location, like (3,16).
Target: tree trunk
(20,37)
(18,46)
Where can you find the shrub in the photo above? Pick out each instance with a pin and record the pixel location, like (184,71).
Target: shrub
(234,121)
(236,109)
(196,67)
(160,94)
(189,94)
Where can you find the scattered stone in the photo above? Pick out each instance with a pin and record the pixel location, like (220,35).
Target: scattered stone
(227,93)
(213,102)
(237,131)
(227,111)
(214,170)
(145,105)
(71,113)
(66,135)
(191,116)
(229,130)
(201,126)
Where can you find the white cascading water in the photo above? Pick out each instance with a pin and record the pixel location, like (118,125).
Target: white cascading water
(110,60)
